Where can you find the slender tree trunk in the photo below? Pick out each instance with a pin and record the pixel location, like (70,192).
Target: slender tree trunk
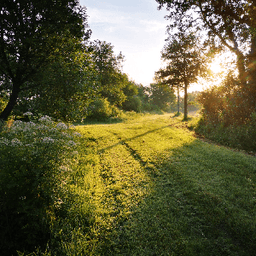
(12,102)
(186,100)
(178,99)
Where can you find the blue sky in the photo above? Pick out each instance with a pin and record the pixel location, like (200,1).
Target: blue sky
(134,27)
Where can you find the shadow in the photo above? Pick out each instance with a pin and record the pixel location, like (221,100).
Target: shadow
(135,137)
(96,122)
(195,205)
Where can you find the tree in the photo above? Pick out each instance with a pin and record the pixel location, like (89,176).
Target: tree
(108,67)
(232,24)
(185,62)
(131,91)
(31,32)
(162,95)
(63,89)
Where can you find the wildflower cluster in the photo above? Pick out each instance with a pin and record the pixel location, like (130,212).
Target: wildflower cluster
(34,160)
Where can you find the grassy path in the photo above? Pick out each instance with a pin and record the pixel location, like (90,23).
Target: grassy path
(154,189)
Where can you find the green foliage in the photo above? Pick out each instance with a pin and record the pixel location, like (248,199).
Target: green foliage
(108,67)
(31,33)
(64,88)
(186,62)
(228,114)
(162,96)
(101,110)
(132,103)
(34,161)
(227,24)
(241,136)
(3,103)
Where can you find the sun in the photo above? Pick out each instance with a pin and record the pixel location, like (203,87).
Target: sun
(219,68)
(216,66)
(222,63)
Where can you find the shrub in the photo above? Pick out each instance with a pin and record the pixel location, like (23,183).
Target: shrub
(102,110)
(133,103)
(228,115)
(241,136)
(34,159)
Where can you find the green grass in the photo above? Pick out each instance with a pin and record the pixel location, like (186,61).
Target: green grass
(149,187)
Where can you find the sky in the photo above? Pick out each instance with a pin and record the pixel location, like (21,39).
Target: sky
(134,27)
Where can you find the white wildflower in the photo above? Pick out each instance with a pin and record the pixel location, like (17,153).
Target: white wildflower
(71,143)
(48,140)
(66,135)
(61,126)
(4,141)
(16,142)
(77,134)
(64,168)
(32,124)
(53,130)
(27,128)
(45,119)
(17,125)
(42,127)
(28,114)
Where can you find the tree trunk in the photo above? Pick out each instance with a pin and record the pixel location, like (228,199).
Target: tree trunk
(241,67)
(251,89)
(178,99)
(12,102)
(186,100)
(252,60)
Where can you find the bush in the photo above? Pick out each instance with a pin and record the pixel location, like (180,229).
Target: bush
(34,159)
(241,136)
(228,114)
(133,103)
(102,110)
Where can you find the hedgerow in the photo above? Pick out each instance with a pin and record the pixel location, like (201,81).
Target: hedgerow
(228,114)
(35,159)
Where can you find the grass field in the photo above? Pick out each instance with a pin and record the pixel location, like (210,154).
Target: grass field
(150,187)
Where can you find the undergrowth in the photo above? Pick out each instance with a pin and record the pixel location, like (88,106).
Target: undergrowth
(240,136)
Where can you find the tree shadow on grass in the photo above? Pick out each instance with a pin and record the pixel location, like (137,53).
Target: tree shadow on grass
(125,142)
(198,205)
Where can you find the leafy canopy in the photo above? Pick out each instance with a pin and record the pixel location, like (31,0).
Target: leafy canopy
(30,33)
(185,62)
(229,24)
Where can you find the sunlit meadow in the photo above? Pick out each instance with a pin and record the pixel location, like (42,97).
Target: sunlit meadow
(146,186)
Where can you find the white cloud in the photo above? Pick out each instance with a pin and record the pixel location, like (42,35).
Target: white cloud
(106,16)
(154,25)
